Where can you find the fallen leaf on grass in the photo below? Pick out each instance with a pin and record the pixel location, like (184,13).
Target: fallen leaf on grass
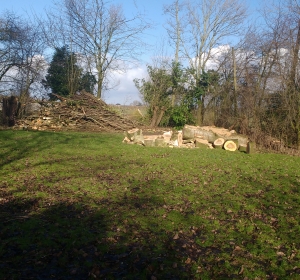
(188,261)
(176,236)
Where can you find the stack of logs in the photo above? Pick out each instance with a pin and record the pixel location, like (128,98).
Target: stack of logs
(192,137)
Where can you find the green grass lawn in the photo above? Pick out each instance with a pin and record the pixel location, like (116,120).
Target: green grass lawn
(87,206)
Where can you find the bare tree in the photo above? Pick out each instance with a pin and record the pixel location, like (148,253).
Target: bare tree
(21,50)
(174,29)
(293,84)
(209,24)
(11,38)
(100,31)
(174,24)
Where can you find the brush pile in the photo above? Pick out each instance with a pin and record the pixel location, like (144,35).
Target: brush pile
(80,112)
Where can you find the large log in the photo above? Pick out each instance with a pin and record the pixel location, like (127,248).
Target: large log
(243,149)
(239,139)
(202,143)
(193,132)
(167,136)
(160,142)
(149,142)
(134,136)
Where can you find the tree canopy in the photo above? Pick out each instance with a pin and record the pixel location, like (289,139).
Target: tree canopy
(65,77)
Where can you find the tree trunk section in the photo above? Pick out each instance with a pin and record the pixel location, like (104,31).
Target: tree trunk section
(293,88)
(154,117)
(162,111)
(230,146)
(135,135)
(10,110)
(250,148)
(218,143)
(200,113)
(234,84)
(191,132)
(243,149)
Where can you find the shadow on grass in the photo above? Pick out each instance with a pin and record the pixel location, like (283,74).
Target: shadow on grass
(122,238)
(70,241)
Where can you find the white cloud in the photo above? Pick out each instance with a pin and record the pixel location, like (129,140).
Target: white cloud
(125,92)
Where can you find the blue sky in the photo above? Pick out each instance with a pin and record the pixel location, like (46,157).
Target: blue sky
(126,92)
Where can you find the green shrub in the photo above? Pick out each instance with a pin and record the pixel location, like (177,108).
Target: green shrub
(179,116)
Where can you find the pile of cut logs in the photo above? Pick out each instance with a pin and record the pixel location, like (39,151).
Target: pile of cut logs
(192,137)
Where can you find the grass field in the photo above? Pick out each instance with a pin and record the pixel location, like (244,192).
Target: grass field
(86,206)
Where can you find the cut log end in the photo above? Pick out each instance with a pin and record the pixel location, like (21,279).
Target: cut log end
(218,143)
(230,146)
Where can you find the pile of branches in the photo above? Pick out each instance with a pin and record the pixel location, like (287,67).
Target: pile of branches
(80,112)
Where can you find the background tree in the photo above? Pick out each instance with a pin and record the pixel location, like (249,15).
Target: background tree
(63,77)
(174,30)
(155,91)
(99,31)
(21,54)
(293,86)
(11,37)
(87,82)
(208,24)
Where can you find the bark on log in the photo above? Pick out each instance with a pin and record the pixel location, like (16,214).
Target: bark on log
(149,142)
(250,147)
(191,132)
(160,142)
(202,143)
(243,149)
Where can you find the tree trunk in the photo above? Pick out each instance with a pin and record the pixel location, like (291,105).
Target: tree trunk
(161,114)
(293,89)
(199,114)
(234,85)
(10,110)
(298,138)
(100,84)
(154,117)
